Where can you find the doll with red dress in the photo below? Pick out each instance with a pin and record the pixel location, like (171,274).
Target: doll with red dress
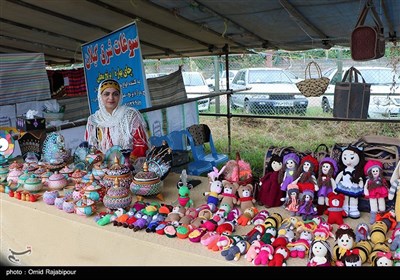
(270,192)
(306,174)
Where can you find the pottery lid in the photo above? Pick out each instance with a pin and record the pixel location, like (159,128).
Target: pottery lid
(46,174)
(15,165)
(29,166)
(24,175)
(146,175)
(56,177)
(40,170)
(117,191)
(84,201)
(15,173)
(66,170)
(33,179)
(117,169)
(78,174)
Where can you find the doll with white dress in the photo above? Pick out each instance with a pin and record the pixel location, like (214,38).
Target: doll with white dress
(350,181)
(376,188)
(320,253)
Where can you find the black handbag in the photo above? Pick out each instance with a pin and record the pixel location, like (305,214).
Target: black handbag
(351,97)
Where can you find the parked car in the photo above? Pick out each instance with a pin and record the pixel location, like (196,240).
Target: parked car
(272,92)
(222,80)
(295,78)
(195,86)
(384,99)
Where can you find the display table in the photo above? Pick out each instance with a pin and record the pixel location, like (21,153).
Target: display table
(56,238)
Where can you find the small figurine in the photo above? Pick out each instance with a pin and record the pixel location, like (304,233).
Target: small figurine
(320,253)
(184,191)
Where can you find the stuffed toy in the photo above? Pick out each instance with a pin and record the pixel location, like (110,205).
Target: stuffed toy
(299,248)
(175,215)
(248,214)
(352,258)
(345,238)
(270,193)
(326,182)
(265,255)
(190,215)
(212,196)
(269,235)
(253,250)
(378,251)
(394,241)
(234,214)
(260,217)
(395,189)
(363,249)
(274,219)
(335,210)
(388,218)
(384,259)
(255,233)
(280,256)
(226,227)
(155,221)
(246,199)
(307,210)
(349,181)
(375,188)
(238,249)
(362,232)
(378,232)
(292,199)
(320,253)
(305,177)
(228,195)
(286,174)
(209,238)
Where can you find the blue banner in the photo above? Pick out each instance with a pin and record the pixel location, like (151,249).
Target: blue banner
(116,56)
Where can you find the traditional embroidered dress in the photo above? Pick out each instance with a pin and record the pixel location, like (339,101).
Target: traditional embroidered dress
(124,127)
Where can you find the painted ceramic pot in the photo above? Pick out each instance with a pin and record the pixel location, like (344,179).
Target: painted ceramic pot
(50,196)
(13,175)
(23,177)
(68,191)
(30,167)
(66,171)
(3,173)
(92,190)
(45,176)
(33,184)
(98,171)
(15,166)
(39,171)
(56,181)
(117,197)
(68,206)
(120,171)
(146,183)
(85,206)
(58,202)
(76,176)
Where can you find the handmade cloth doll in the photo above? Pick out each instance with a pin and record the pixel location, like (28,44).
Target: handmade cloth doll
(228,195)
(307,210)
(395,189)
(292,199)
(349,181)
(326,182)
(320,253)
(305,174)
(345,238)
(375,188)
(270,192)
(286,174)
(215,189)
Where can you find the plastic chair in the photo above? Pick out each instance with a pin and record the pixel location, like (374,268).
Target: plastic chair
(178,141)
(158,140)
(199,135)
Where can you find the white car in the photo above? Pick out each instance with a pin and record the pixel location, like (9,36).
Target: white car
(272,92)
(195,86)
(384,99)
(222,80)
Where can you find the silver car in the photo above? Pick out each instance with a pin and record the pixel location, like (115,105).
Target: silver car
(385,91)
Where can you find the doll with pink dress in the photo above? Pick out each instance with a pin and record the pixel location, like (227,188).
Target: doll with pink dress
(375,188)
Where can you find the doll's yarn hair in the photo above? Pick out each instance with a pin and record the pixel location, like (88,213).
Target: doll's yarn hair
(323,243)
(358,169)
(276,158)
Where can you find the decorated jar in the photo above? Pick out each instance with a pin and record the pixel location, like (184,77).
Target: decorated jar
(23,177)
(117,197)
(77,193)
(56,181)
(50,196)
(30,166)
(87,178)
(58,202)
(93,190)
(68,191)
(39,171)
(3,173)
(76,176)
(13,175)
(15,166)
(66,171)
(98,171)
(120,171)
(68,206)
(85,206)
(45,176)
(146,182)
(33,184)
